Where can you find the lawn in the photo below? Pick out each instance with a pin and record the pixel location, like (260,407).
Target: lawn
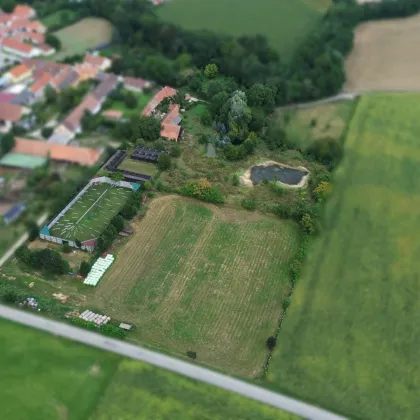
(196,277)
(46,377)
(91,213)
(285,23)
(138,167)
(82,36)
(142,100)
(350,341)
(303,126)
(64,16)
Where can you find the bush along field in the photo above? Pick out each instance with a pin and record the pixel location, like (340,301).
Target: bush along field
(350,340)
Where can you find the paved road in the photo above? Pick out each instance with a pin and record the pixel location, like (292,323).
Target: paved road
(9,253)
(187,369)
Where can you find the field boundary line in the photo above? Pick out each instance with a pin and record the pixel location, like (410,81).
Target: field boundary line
(190,370)
(90,208)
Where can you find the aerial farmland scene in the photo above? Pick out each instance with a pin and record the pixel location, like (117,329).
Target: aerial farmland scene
(208,210)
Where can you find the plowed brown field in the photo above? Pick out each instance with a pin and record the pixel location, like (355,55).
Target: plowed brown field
(385,56)
(196,277)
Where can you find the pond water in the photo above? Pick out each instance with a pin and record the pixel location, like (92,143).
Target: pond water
(287,176)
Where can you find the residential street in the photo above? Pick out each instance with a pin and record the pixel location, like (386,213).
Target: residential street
(187,369)
(20,241)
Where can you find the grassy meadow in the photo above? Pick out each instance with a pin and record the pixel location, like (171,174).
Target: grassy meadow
(350,340)
(200,278)
(83,35)
(48,378)
(63,16)
(285,23)
(303,126)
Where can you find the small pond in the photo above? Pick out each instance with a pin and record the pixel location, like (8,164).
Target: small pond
(285,175)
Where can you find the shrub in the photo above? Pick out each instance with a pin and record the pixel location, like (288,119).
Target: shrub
(84,268)
(82,323)
(326,150)
(175,151)
(33,230)
(286,303)
(112,331)
(66,248)
(249,203)
(147,185)
(192,354)
(130,101)
(164,162)
(307,224)
(271,342)
(323,190)
(235,180)
(202,190)
(46,132)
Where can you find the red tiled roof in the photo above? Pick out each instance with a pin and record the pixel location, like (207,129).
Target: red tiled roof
(170,131)
(165,92)
(41,82)
(94,60)
(9,112)
(72,154)
(4,18)
(45,48)
(22,10)
(6,98)
(17,45)
(73,120)
(34,37)
(19,70)
(35,25)
(136,82)
(112,113)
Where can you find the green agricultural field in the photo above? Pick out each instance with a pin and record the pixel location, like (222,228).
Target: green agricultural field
(90,215)
(285,23)
(142,392)
(83,35)
(138,167)
(47,378)
(350,341)
(303,126)
(202,278)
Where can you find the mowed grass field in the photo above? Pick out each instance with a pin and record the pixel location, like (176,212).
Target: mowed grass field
(384,56)
(44,377)
(91,213)
(351,337)
(195,277)
(138,166)
(285,23)
(304,126)
(83,35)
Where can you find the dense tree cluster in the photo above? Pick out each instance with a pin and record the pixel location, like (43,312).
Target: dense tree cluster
(43,259)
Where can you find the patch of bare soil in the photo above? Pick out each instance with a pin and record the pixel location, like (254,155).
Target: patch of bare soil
(385,56)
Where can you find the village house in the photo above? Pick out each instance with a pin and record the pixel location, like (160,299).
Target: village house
(19,73)
(19,48)
(9,115)
(100,63)
(136,84)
